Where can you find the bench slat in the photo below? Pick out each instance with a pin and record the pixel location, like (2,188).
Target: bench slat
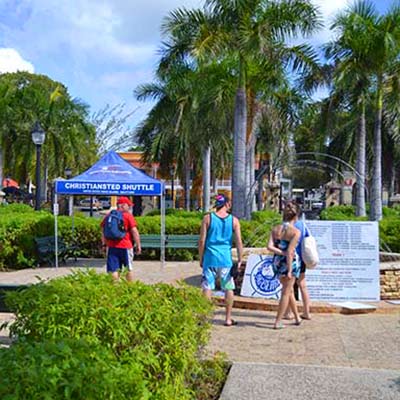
(171,242)
(46,249)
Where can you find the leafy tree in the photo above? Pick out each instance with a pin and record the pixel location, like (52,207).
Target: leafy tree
(112,132)
(70,139)
(246,31)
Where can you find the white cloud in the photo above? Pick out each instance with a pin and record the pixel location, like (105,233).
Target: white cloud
(11,61)
(328,9)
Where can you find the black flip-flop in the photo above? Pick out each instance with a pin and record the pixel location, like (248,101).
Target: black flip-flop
(233,323)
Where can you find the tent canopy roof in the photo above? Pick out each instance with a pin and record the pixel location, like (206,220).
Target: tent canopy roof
(111,175)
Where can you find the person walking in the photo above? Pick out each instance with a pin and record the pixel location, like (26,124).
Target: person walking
(301,281)
(283,242)
(119,234)
(215,252)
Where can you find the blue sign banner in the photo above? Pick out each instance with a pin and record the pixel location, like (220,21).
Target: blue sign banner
(111,175)
(108,188)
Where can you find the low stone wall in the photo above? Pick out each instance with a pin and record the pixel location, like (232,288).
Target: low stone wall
(390,280)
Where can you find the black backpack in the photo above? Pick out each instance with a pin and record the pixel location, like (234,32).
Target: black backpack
(114,228)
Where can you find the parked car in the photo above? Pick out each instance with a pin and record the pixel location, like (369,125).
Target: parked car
(317,205)
(105,202)
(85,204)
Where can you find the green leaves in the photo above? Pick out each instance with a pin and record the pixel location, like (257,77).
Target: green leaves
(86,337)
(26,98)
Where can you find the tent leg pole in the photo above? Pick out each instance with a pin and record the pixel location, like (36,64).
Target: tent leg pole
(162,198)
(56,229)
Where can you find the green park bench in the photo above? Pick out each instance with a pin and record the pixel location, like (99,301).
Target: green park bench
(46,250)
(171,241)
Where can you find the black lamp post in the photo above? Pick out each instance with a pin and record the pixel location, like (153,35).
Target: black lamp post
(172,173)
(38,137)
(68,172)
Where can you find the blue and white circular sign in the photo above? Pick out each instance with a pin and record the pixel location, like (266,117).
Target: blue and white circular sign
(259,278)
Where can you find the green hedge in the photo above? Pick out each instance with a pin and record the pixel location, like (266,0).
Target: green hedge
(20,224)
(389,226)
(85,337)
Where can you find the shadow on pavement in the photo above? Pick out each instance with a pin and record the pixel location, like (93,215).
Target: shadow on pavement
(193,280)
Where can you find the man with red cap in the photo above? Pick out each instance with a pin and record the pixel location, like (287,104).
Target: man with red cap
(120,251)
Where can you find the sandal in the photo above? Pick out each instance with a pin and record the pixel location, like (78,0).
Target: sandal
(233,323)
(305,317)
(298,323)
(278,326)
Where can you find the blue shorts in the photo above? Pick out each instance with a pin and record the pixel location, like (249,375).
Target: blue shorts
(117,258)
(210,274)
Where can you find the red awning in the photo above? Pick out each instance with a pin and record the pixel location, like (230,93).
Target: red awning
(8,182)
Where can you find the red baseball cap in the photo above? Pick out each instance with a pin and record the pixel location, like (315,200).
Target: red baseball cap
(124,200)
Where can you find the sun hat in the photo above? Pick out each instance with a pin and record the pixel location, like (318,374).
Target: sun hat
(124,200)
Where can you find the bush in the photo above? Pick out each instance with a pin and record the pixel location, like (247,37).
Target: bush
(340,213)
(176,212)
(68,369)
(161,328)
(389,234)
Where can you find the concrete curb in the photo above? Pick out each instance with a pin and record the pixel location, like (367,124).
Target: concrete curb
(316,308)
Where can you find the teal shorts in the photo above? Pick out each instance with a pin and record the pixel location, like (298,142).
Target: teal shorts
(211,274)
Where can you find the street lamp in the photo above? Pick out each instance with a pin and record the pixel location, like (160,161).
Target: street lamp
(172,173)
(38,137)
(68,172)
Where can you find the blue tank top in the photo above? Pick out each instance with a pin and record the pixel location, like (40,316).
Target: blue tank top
(217,250)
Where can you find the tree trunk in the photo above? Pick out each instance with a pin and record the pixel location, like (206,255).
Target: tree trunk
(1,168)
(206,178)
(360,163)
(239,151)
(392,189)
(250,176)
(187,184)
(376,193)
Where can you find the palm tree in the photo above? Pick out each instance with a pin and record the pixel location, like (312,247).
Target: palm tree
(188,118)
(352,77)
(243,30)
(385,50)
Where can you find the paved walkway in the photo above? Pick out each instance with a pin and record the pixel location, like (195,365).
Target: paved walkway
(333,356)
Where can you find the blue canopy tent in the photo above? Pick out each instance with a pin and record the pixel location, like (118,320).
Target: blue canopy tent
(112,176)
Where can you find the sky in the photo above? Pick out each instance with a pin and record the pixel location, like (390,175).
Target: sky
(100,49)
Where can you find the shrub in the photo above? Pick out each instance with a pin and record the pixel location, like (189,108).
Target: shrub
(68,369)
(389,234)
(340,213)
(160,327)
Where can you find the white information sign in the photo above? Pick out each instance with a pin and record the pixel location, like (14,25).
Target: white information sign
(349,261)
(259,279)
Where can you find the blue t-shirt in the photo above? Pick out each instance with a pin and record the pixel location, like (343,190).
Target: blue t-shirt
(218,246)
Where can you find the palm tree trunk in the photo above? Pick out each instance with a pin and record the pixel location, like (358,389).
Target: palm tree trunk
(376,194)
(206,178)
(239,150)
(1,167)
(250,176)
(187,183)
(360,163)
